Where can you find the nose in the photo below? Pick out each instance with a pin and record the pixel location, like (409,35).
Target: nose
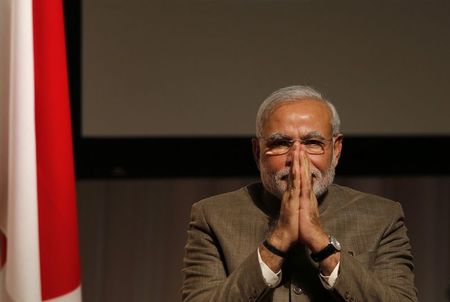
(298,145)
(295,146)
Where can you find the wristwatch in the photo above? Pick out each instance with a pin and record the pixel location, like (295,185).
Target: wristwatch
(332,247)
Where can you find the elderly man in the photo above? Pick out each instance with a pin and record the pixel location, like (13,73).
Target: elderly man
(296,236)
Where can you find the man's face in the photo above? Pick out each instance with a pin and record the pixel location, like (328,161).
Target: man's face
(308,120)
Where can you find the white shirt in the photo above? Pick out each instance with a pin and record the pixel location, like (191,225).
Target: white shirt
(273,279)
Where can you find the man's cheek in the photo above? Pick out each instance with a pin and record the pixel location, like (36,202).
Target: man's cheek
(274,165)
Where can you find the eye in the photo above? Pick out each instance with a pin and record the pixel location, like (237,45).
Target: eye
(281,142)
(313,142)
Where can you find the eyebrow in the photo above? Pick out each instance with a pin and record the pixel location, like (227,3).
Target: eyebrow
(313,134)
(309,135)
(277,136)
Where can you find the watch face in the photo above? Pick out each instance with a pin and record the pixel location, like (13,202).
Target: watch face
(335,243)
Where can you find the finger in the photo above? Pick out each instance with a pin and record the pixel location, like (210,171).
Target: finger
(305,175)
(290,187)
(290,178)
(308,199)
(309,184)
(309,176)
(295,171)
(293,184)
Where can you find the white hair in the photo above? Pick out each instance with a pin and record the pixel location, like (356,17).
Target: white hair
(293,94)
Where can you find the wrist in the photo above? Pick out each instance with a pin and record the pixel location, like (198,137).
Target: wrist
(279,241)
(318,243)
(331,248)
(274,250)
(327,265)
(273,261)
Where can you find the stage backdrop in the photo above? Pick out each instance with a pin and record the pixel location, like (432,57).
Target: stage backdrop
(201,68)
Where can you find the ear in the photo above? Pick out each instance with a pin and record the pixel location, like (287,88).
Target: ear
(256,151)
(337,147)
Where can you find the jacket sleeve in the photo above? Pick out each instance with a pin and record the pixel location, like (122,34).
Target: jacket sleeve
(385,274)
(205,276)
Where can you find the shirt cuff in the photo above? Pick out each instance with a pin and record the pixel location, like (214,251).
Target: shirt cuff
(329,281)
(272,279)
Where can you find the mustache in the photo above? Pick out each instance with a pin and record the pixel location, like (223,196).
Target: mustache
(284,173)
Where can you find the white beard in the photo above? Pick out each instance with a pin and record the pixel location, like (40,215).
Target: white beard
(276,183)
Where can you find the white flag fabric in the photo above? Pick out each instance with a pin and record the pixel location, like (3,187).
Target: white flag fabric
(39,258)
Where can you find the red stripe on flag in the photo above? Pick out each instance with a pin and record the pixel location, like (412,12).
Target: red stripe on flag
(58,233)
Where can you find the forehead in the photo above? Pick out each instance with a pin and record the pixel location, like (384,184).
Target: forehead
(299,118)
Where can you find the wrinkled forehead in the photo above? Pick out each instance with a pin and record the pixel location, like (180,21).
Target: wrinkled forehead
(299,118)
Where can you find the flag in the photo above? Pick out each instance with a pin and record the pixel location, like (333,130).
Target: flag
(39,258)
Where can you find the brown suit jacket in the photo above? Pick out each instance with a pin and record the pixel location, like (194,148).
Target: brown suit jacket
(221,262)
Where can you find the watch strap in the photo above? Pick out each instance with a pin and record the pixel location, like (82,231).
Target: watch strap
(332,247)
(324,253)
(274,250)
